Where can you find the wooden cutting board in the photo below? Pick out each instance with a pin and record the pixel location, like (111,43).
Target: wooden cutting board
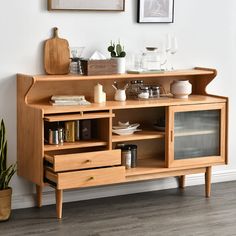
(56,55)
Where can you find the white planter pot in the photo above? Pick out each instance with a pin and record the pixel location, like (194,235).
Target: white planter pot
(181,88)
(120,65)
(120,95)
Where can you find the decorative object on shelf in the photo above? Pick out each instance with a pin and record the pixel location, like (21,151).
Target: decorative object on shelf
(181,88)
(99,95)
(120,94)
(86,129)
(125,128)
(69,131)
(173,50)
(5,177)
(153,60)
(75,56)
(143,92)
(56,55)
(69,100)
(87,5)
(117,52)
(155,11)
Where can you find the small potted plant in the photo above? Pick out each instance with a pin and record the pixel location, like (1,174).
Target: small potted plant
(6,174)
(117,52)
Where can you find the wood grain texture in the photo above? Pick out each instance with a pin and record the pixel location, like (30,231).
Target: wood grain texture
(56,55)
(84,160)
(87,178)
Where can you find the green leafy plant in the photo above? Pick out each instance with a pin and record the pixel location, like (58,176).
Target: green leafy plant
(116,50)
(6,173)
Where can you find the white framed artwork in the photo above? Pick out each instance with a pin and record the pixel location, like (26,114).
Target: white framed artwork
(156,11)
(87,5)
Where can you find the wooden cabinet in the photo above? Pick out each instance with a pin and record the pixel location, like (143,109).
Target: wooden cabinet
(194,137)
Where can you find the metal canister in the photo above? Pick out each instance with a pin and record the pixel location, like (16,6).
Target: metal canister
(60,135)
(126,157)
(53,137)
(77,130)
(69,131)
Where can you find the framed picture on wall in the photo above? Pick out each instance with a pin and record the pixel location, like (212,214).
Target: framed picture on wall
(156,11)
(87,5)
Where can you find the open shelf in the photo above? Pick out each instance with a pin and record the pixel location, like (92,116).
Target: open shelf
(140,135)
(147,166)
(80,116)
(194,132)
(79,144)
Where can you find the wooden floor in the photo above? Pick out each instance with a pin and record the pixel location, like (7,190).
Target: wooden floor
(168,212)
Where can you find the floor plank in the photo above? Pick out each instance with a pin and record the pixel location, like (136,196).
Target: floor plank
(168,213)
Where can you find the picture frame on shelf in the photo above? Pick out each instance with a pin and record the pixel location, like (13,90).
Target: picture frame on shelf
(155,11)
(87,5)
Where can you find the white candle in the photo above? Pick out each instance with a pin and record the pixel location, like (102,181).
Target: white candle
(98,93)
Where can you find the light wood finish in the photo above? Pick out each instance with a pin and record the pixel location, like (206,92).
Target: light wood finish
(182,181)
(87,178)
(75,145)
(56,55)
(155,149)
(39,192)
(208,181)
(115,105)
(140,135)
(81,116)
(193,161)
(166,174)
(85,160)
(59,200)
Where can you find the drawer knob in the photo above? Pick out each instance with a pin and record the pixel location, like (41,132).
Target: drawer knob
(88,161)
(91,178)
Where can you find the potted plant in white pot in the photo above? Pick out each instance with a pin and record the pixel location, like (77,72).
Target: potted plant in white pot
(6,174)
(117,52)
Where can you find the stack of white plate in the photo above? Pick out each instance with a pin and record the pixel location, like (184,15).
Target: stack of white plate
(125,128)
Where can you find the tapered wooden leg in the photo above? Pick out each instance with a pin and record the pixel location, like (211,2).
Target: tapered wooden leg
(208,182)
(39,191)
(182,181)
(59,196)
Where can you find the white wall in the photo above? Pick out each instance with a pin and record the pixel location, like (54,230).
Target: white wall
(206,33)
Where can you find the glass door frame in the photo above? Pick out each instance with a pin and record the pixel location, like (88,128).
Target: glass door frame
(199,161)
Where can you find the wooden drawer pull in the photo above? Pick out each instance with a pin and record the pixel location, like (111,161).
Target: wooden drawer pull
(88,161)
(91,178)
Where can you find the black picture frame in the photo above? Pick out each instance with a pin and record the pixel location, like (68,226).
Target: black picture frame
(155,11)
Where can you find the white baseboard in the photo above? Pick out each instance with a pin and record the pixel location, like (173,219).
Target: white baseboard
(25,201)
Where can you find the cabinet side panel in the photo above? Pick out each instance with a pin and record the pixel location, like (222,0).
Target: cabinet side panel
(29,135)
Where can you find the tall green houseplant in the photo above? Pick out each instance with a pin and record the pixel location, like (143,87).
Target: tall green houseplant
(6,174)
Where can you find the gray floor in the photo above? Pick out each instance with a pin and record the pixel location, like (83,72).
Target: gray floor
(168,212)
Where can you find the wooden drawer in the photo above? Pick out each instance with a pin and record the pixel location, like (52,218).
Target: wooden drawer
(84,160)
(86,178)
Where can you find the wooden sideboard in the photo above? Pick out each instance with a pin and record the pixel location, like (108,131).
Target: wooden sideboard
(194,139)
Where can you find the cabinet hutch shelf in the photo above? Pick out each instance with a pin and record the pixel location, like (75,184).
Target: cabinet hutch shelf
(195,136)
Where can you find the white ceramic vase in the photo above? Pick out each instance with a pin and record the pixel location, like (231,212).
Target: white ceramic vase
(181,88)
(120,65)
(120,95)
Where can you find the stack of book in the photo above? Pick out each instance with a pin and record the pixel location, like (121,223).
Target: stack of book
(69,100)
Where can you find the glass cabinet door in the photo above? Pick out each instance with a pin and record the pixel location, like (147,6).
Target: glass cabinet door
(197,134)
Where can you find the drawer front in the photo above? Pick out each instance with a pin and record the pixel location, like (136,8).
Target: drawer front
(86,178)
(84,160)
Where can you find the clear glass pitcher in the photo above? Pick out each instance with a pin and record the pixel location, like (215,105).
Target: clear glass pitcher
(153,59)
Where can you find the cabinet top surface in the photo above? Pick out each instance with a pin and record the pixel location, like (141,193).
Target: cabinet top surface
(114,105)
(70,77)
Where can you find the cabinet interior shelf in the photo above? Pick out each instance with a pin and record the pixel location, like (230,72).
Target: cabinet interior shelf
(140,135)
(79,144)
(194,133)
(81,116)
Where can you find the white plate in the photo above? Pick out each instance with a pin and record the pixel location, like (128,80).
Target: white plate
(125,131)
(132,126)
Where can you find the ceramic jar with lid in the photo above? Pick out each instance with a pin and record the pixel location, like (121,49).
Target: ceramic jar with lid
(181,88)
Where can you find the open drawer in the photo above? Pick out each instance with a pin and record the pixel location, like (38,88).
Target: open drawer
(85,160)
(86,178)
